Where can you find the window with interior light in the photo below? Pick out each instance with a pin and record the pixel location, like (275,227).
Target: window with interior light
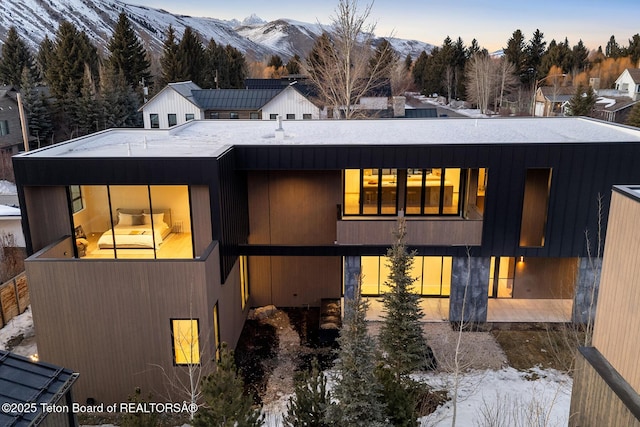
(370,192)
(431,274)
(185,341)
(132,221)
(436,191)
(244,281)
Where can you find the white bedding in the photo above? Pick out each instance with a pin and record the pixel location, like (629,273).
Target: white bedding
(134,236)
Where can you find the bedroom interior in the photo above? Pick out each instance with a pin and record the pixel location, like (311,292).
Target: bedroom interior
(132,221)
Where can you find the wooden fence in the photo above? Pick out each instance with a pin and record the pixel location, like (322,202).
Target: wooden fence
(14,298)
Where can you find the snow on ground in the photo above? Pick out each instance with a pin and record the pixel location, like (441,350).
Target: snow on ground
(539,397)
(21,325)
(519,398)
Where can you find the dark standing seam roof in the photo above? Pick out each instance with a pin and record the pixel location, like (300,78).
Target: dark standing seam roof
(24,381)
(234,99)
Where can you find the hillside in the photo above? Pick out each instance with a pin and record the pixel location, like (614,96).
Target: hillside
(256,38)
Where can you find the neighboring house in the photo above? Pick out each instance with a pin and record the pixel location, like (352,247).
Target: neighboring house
(11,227)
(10,130)
(606,382)
(613,108)
(628,84)
(173,105)
(38,394)
(180,102)
(549,100)
(155,244)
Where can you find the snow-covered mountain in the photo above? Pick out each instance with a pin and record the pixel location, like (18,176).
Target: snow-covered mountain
(256,38)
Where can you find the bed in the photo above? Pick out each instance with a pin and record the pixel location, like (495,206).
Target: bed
(133,230)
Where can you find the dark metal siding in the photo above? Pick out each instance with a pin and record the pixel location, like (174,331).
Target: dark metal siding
(580,172)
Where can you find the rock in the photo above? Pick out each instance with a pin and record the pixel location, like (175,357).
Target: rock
(262,313)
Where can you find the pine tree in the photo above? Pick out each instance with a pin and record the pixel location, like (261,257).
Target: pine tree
(634,116)
(515,53)
(582,102)
(128,55)
(191,57)
(225,404)
(310,403)
(385,57)
(275,61)
(401,337)
(358,393)
(293,65)
(237,70)
(37,109)
(15,57)
(119,102)
(169,59)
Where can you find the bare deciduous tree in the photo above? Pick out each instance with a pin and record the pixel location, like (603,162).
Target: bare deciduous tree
(488,79)
(339,65)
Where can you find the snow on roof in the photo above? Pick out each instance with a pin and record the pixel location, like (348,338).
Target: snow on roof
(9,211)
(206,138)
(7,188)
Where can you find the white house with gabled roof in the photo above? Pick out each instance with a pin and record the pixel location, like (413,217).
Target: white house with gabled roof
(629,83)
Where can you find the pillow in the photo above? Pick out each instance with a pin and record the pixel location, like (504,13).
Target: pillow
(129,219)
(158,218)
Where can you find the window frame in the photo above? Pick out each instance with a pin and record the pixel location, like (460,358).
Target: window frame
(273,116)
(441,196)
(291,116)
(197,341)
(189,116)
(379,193)
(172,119)
(307,116)
(73,199)
(154,120)
(254,115)
(234,115)
(214,115)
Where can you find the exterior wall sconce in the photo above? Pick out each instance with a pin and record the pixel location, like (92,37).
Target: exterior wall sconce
(521,258)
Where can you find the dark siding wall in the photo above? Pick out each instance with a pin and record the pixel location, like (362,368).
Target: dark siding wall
(581,173)
(230,211)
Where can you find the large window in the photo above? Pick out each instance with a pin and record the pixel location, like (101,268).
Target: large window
(186,343)
(501,277)
(370,192)
(432,275)
(216,331)
(434,191)
(134,221)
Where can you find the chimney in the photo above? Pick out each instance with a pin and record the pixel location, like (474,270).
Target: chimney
(398,106)
(280,130)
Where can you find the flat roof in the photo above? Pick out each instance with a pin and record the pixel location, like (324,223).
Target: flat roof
(211,138)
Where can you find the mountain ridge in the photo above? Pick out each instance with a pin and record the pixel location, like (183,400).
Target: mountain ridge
(256,38)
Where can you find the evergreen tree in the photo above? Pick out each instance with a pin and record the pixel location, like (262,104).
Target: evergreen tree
(534,52)
(37,109)
(634,49)
(45,52)
(408,62)
(237,67)
(225,404)
(293,65)
(170,68)
(216,65)
(401,337)
(612,49)
(88,107)
(275,61)
(419,72)
(580,58)
(310,402)
(119,102)
(357,391)
(582,102)
(634,116)
(384,56)
(128,55)
(15,57)
(191,57)
(515,53)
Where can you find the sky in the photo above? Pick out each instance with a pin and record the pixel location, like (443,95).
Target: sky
(490,22)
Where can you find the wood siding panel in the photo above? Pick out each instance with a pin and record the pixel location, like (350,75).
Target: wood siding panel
(294,281)
(103,316)
(436,232)
(201,218)
(296,208)
(47,215)
(594,403)
(617,310)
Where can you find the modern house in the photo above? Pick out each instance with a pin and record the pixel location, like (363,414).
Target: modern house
(606,385)
(180,102)
(148,247)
